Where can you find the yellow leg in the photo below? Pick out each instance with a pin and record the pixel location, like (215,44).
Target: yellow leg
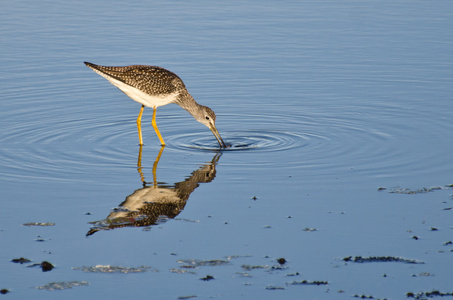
(139,125)
(153,122)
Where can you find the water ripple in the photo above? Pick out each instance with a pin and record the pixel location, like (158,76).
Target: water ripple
(239,141)
(373,139)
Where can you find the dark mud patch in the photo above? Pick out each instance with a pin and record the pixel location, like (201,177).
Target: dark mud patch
(372,259)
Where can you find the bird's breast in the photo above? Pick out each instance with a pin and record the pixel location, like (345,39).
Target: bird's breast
(149,100)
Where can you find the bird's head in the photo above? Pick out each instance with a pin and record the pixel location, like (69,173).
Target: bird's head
(206,116)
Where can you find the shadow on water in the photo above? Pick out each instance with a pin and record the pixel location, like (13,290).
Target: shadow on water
(155,202)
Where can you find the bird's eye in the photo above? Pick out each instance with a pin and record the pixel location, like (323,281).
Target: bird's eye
(207,118)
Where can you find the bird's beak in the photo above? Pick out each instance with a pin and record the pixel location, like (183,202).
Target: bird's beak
(217,136)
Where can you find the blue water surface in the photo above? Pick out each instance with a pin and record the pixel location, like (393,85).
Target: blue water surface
(339,116)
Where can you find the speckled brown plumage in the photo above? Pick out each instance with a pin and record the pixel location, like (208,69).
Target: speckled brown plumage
(149,79)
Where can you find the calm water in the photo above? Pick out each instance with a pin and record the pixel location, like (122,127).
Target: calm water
(324,103)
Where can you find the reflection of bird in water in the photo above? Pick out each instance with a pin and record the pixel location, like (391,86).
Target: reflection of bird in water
(154,87)
(156,203)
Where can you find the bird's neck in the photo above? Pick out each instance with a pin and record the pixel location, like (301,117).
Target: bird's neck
(186,101)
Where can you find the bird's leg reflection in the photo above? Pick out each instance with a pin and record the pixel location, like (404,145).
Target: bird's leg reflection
(156,162)
(151,205)
(139,165)
(155,165)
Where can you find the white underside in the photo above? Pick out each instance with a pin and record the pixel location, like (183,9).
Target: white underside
(139,96)
(139,198)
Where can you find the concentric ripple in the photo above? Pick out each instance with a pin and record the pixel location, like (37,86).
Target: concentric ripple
(240,140)
(370,139)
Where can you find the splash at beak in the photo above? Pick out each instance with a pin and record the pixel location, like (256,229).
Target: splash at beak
(218,137)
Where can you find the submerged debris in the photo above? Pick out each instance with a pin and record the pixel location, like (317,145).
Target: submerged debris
(363,297)
(38,224)
(40,239)
(277,268)
(45,266)
(420,191)
(360,259)
(21,260)
(199,263)
(189,267)
(281,265)
(274,288)
(251,267)
(63,285)
(244,274)
(424,295)
(306,282)
(114,269)
(207,278)
(182,271)
(424,274)
(187,220)
(229,257)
